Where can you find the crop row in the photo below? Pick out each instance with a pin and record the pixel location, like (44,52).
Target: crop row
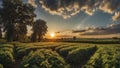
(63,50)
(60,56)
(43,59)
(73,54)
(6,55)
(24,50)
(1,66)
(105,57)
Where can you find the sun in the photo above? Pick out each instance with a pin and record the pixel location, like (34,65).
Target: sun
(52,35)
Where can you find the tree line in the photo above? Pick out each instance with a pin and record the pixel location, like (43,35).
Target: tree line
(15,16)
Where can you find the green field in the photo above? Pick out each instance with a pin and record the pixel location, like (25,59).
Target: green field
(59,55)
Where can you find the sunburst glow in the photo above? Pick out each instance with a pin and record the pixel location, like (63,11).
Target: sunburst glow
(52,35)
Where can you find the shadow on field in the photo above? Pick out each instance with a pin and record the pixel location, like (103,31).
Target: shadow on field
(84,59)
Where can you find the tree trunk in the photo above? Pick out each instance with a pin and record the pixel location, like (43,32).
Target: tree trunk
(0,33)
(10,32)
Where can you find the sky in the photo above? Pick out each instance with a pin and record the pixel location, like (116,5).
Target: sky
(81,18)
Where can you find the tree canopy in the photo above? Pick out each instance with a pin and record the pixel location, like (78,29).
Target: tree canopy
(15,17)
(39,30)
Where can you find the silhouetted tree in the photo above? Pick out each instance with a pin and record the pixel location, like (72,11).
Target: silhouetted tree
(16,15)
(0,33)
(0,28)
(115,38)
(39,30)
(74,37)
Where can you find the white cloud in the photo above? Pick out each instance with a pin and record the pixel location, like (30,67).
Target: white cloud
(116,16)
(32,2)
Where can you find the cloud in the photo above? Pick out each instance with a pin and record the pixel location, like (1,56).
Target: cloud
(111,29)
(77,31)
(32,2)
(110,6)
(64,32)
(68,8)
(116,16)
(63,36)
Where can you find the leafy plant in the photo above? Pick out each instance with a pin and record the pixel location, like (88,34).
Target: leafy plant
(43,59)
(79,55)
(1,66)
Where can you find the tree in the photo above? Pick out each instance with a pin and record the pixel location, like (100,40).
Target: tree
(74,37)
(39,30)
(0,33)
(16,15)
(0,29)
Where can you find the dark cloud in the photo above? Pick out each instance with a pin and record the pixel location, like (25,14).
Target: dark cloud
(77,31)
(57,32)
(111,29)
(68,8)
(63,36)
(64,32)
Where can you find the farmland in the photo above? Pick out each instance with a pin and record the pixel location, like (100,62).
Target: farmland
(59,55)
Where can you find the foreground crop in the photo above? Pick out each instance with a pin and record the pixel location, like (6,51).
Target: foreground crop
(62,55)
